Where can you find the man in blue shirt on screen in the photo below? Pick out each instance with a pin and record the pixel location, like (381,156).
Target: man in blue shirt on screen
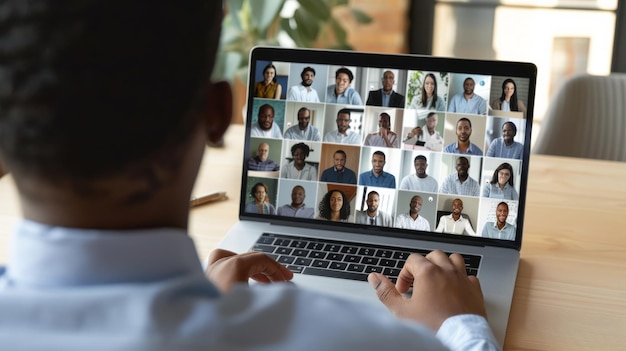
(339,173)
(463,145)
(341,92)
(106,108)
(505,146)
(468,101)
(377,176)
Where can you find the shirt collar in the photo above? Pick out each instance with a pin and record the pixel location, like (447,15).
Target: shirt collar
(495,225)
(470,149)
(47,256)
(382,175)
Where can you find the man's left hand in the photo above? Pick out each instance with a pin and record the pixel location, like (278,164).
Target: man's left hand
(227,268)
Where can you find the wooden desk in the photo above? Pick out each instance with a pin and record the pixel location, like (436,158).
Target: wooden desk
(571,287)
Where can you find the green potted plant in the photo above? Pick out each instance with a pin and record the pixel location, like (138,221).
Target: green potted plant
(296,23)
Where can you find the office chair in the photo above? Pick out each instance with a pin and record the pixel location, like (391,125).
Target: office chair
(586,118)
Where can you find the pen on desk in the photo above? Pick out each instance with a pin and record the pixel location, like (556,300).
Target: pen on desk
(201,200)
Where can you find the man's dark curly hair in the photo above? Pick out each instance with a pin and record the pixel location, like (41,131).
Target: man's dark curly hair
(89,88)
(324,206)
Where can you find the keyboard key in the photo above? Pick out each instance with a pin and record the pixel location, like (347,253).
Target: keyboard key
(268,240)
(352,259)
(365,251)
(391,272)
(335,256)
(373,269)
(370,260)
(317,254)
(349,250)
(315,246)
(387,263)
(303,261)
(471,271)
(300,244)
(471,261)
(335,274)
(286,259)
(401,255)
(320,263)
(332,247)
(282,242)
(263,248)
(338,265)
(356,267)
(384,253)
(300,252)
(283,251)
(273,256)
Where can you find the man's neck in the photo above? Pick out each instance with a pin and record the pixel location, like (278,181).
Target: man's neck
(305,127)
(508,143)
(500,224)
(463,178)
(456,216)
(377,174)
(421,176)
(414,215)
(293,205)
(387,92)
(468,96)
(372,213)
(463,145)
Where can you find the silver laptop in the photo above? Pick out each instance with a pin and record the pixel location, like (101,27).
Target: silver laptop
(338,181)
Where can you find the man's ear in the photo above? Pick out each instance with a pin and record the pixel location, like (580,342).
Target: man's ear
(219,111)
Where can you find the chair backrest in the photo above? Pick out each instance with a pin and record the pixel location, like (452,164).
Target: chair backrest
(586,118)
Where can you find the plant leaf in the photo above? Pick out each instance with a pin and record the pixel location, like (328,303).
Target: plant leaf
(318,9)
(234,7)
(264,12)
(307,25)
(360,16)
(339,32)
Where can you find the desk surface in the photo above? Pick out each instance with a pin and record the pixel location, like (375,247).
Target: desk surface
(571,286)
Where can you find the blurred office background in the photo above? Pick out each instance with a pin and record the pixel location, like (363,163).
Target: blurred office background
(562,37)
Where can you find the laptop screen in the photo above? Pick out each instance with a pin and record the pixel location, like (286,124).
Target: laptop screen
(393,145)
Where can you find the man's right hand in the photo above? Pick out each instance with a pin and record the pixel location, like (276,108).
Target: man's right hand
(417,131)
(441,289)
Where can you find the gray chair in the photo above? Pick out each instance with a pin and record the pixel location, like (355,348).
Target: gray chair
(586,118)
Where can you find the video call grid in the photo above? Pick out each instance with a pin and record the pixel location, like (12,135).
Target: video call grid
(366,119)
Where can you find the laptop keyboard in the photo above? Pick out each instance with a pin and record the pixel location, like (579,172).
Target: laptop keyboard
(341,259)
